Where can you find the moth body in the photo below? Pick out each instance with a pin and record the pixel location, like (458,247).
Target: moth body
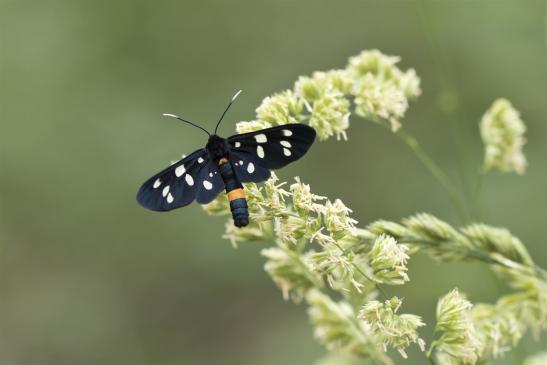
(236,194)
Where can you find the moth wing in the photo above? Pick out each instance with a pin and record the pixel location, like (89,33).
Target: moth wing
(176,185)
(274,147)
(209,183)
(247,168)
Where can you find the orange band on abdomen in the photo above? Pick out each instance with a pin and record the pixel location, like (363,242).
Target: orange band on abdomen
(236,194)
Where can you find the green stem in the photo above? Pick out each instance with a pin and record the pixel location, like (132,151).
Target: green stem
(435,170)
(448,85)
(475,208)
(429,353)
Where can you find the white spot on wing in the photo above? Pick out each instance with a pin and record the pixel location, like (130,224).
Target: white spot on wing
(165,191)
(210,174)
(200,160)
(286,144)
(179,171)
(207,185)
(261,138)
(237,144)
(241,162)
(157,184)
(189,179)
(286,132)
(251,168)
(170,198)
(286,152)
(260,151)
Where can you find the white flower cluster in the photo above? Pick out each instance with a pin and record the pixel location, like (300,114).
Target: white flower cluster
(324,95)
(491,329)
(396,330)
(382,90)
(477,334)
(295,219)
(389,260)
(282,108)
(319,252)
(337,327)
(502,133)
(379,89)
(292,273)
(459,342)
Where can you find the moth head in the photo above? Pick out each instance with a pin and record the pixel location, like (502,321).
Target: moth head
(217,147)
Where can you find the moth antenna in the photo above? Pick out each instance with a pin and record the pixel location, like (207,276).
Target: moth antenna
(228,107)
(186,121)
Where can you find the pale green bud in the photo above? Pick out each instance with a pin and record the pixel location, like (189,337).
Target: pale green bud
(339,80)
(330,115)
(253,232)
(431,228)
(281,108)
(304,201)
(396,330)
(502,133)
(254,125)
(310,88)
(323,83)
(293,273)
(373,62)
(290,229)
(342,268)
(498,327)
(219,206)
(493,239)
(374,99)
(337,218)
(337,327)
(383,68)
(459,339)
(409,83)
(388,261)
(392,229)
(529,304)
(382,90)
(275,196)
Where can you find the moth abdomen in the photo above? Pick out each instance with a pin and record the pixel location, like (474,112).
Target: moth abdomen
(236,195)
(240,211)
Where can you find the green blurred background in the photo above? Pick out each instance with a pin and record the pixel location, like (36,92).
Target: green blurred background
(89,277)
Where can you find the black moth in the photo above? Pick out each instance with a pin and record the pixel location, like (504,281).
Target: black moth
(224,164)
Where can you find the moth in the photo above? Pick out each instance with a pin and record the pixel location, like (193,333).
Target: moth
(224,164)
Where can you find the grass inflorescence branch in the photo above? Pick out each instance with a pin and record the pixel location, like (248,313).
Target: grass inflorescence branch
(319,255)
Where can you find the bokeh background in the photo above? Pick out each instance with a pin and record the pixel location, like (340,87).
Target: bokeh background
(89,277)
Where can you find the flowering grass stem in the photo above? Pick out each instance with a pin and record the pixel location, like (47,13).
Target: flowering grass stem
(318,254)
(475,207)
